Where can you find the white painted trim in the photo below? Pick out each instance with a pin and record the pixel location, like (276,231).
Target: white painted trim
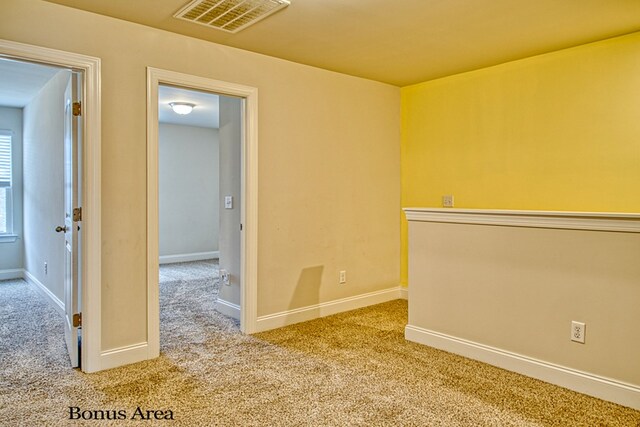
(249,209)
(582,382)
(303,314)
(249,214)
(123,355)
(196,256)
(8,238)
(404,292)
(91,275)
(14,273)
(44,291)
(228,308)
(596,221)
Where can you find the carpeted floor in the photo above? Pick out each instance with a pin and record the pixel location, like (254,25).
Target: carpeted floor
(352,369)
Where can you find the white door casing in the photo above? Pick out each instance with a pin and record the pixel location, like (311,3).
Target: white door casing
(249,196)
(90,251)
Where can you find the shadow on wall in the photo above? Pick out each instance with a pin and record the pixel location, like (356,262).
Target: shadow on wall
(307,290)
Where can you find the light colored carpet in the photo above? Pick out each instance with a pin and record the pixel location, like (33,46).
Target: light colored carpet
(352,369)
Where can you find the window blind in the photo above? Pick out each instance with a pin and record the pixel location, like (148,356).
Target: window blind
(5,159)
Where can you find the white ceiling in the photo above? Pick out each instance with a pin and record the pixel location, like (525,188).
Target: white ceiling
(21,81)
(205,113)
(400,42)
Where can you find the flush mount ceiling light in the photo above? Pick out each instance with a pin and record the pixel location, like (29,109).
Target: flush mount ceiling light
(182,108)
(229,15)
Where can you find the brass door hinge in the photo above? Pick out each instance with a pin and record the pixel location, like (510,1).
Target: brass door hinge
(77,214)
(77,320)
(77,109)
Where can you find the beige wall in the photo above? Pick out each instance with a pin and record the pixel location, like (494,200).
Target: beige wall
(43,181)
(329,162)
(230,173)
(187,189)
(518,289)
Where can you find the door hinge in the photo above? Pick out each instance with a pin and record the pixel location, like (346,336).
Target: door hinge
(77,320)
(77,109)
(77,214)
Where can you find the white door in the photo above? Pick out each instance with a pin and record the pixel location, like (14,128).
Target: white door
(71,217)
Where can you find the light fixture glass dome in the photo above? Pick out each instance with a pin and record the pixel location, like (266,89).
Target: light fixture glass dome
(182,108)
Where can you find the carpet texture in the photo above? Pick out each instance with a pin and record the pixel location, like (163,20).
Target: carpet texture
(351,369)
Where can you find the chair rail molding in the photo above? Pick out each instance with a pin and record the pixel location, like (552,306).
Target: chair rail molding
(595,221)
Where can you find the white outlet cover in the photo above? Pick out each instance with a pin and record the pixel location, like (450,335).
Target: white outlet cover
(578,331)
(224,277)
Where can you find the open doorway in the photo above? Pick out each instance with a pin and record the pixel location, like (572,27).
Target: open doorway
(87,124)
(220,198)
(40,188)
(199,204)
(188,188)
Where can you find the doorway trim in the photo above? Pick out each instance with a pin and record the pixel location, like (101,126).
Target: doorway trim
(90,282)
(249,195)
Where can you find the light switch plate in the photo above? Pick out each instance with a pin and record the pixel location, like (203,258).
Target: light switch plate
(228,202)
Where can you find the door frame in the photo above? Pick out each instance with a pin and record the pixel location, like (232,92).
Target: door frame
(90,269)
(249,195)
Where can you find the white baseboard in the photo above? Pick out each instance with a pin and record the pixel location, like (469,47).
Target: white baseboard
(228,308)
(196,256)
(14,273)
(57,304)
(404,292)
(290,317)
(582,382)
(124,355)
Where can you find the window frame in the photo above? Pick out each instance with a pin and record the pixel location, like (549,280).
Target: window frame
(8,236)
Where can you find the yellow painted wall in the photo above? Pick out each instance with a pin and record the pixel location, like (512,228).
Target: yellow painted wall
(559,131)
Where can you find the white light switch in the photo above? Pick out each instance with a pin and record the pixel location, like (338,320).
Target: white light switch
(228,202)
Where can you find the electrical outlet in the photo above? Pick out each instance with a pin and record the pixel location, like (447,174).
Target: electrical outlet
(224,277)
(46,268)
(447,201)
(577,331)
(343,277)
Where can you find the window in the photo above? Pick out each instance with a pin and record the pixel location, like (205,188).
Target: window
(6,210)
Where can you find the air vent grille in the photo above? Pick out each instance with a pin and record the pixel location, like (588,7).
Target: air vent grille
(229,15)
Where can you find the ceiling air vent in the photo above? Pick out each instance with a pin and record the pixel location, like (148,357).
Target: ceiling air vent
(229,15)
